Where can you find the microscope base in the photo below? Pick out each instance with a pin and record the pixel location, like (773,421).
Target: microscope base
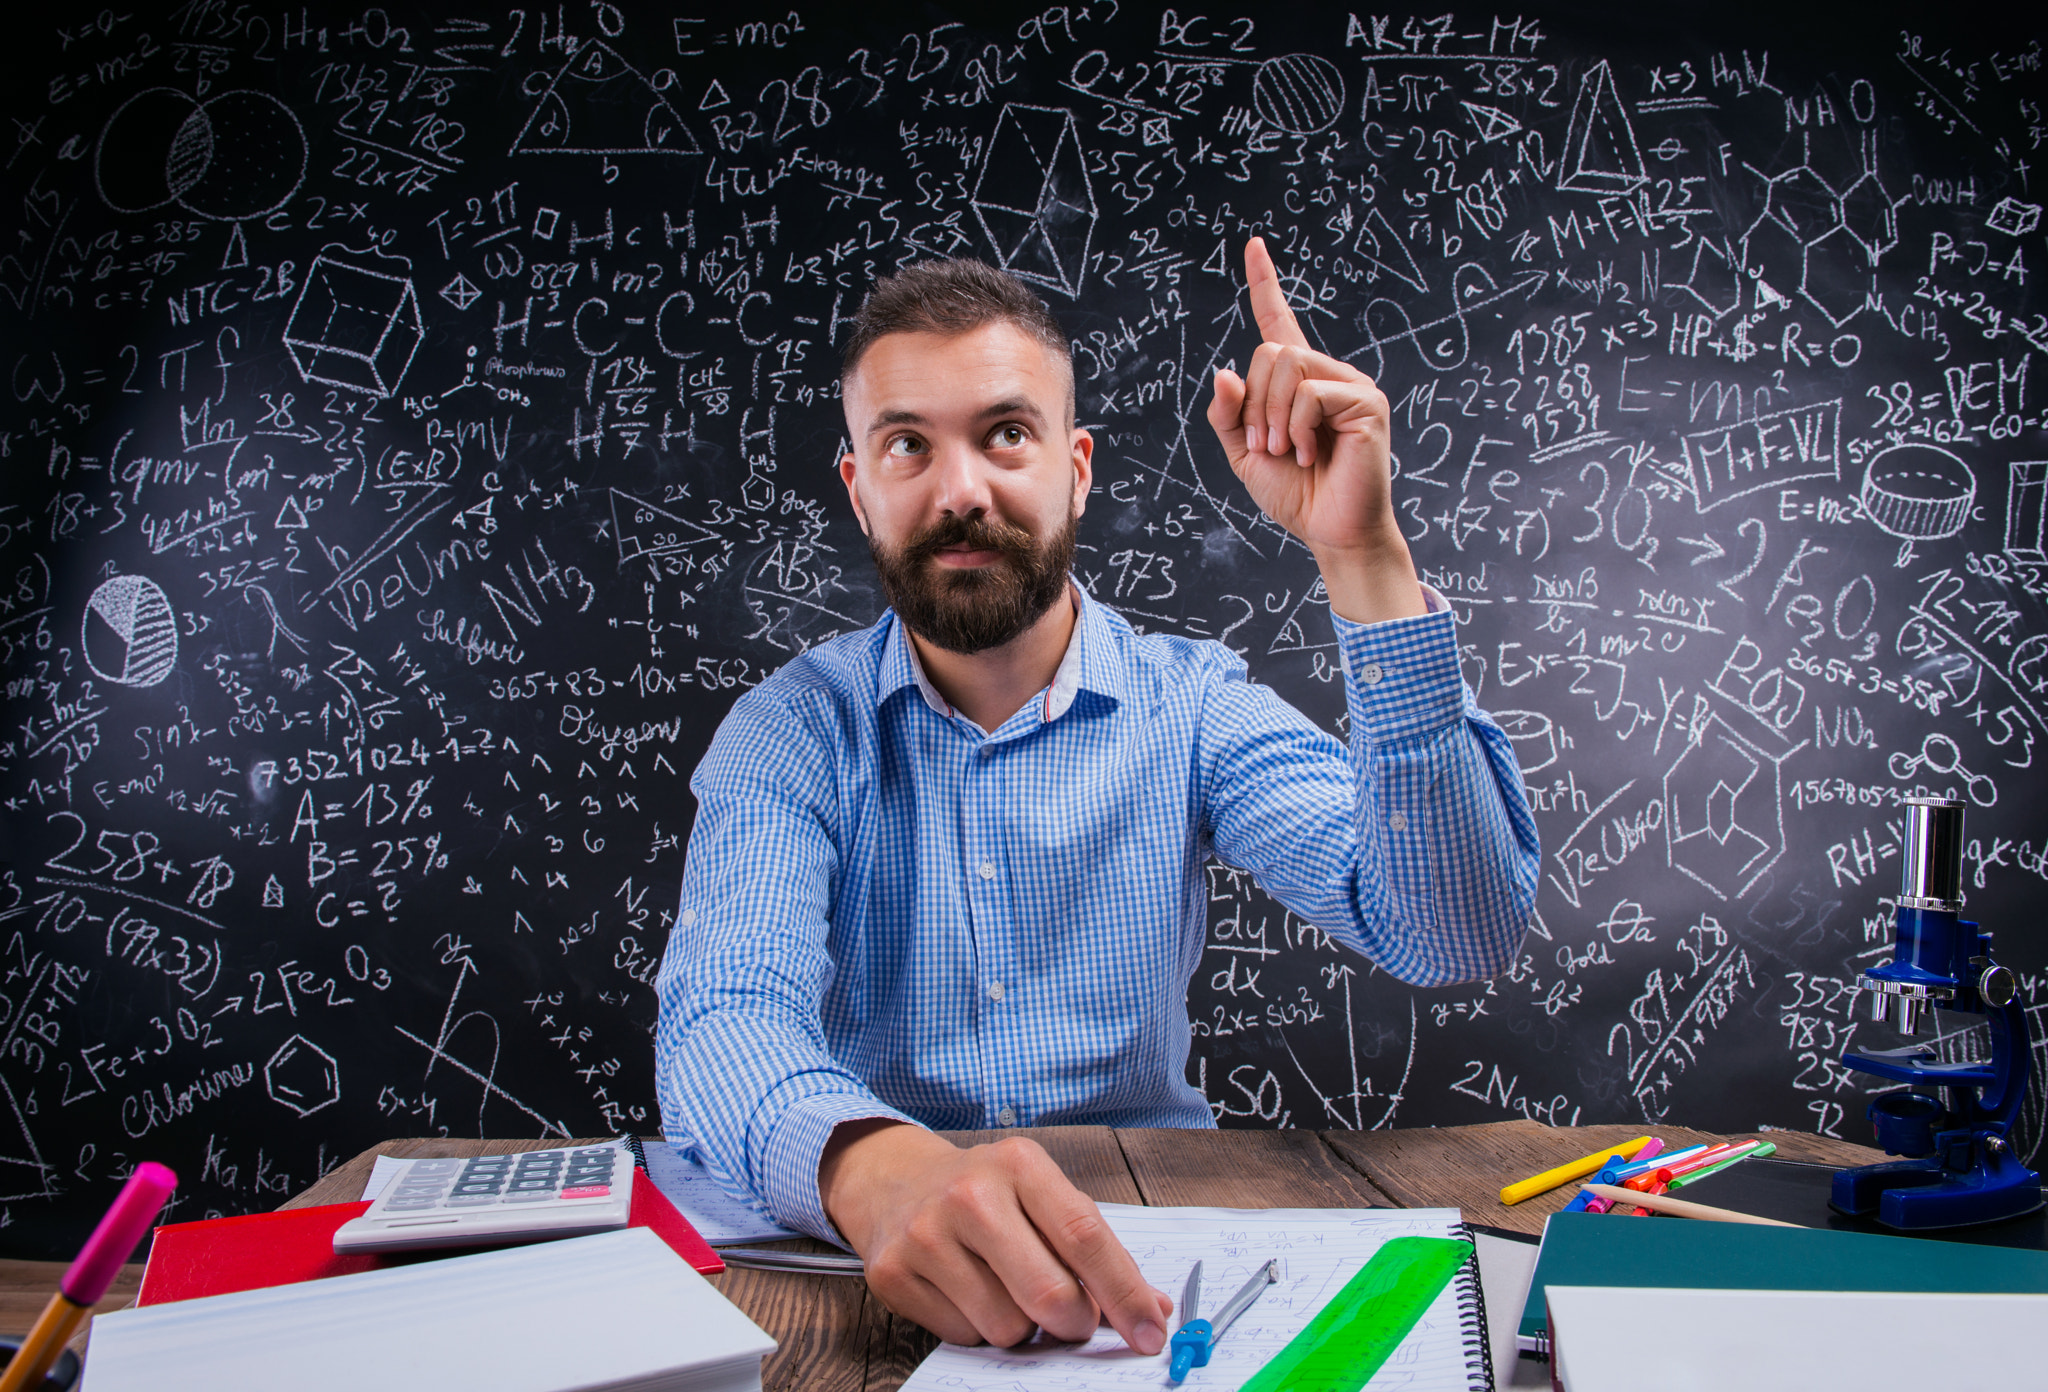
(1917,1195)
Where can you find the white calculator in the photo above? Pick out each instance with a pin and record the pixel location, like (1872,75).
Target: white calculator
(496,1199)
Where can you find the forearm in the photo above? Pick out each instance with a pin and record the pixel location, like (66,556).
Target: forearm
(1373,581)
(1448,850)
(754,1090)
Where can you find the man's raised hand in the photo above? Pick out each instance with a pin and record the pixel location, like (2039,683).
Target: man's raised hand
(1309,436)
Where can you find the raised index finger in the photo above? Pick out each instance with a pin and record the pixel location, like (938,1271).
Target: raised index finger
(1269,302)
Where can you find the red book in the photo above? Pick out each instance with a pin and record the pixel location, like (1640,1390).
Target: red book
(220,1255)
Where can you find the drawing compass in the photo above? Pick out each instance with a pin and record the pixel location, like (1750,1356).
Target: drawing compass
(1196,1339)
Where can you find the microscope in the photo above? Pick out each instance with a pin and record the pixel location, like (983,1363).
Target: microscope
(1962,1168)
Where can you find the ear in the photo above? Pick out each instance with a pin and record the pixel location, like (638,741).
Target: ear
(1084,469)
(846,475)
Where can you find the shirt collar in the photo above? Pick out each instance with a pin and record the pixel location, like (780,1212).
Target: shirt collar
(1086,663)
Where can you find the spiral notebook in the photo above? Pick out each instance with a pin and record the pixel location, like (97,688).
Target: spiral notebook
(1319,1250)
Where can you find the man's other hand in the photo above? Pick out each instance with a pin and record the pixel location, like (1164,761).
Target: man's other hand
(984,1244)
(1309,435)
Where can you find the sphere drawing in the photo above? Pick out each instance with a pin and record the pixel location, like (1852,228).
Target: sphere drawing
(1300,92)
(130,632)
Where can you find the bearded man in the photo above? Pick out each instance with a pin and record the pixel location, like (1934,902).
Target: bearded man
(947,872)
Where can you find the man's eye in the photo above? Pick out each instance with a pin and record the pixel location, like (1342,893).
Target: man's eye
(1008,436)
(906,445)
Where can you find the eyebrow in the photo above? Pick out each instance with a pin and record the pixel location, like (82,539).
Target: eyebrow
(1008,406)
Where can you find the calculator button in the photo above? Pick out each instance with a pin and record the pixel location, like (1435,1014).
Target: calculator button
(427,1167)
(588,1191)
(408,1205)
(529,1195)
(472,1200)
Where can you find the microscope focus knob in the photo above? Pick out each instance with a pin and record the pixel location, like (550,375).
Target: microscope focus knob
(1997,986)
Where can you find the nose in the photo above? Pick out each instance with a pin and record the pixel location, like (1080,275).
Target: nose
(963,486)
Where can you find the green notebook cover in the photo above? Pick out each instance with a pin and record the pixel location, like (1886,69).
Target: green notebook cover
(1597,1249)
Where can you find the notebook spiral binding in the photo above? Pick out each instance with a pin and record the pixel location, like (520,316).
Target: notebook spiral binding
(632,1143)
(1472,1315)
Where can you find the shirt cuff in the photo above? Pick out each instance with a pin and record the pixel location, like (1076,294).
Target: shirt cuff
(1402,674)
(795,1149)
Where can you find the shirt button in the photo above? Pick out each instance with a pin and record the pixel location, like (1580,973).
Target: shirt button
(1006,1117)
(986,750)
(1397,821)
(987,869)
(1370,674)
(687,917)
(995,990)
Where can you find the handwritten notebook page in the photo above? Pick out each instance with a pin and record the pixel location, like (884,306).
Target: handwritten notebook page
(1318,1251)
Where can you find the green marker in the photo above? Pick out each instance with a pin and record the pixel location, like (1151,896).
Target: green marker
(1767,1148)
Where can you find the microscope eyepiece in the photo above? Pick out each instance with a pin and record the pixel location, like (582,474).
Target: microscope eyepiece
(1931,876)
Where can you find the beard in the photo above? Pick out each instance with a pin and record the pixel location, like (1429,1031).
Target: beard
(969,611)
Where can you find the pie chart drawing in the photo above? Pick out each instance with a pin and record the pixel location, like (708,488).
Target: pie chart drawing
(130,632)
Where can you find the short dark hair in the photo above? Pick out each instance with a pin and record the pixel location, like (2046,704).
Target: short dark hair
(953,296)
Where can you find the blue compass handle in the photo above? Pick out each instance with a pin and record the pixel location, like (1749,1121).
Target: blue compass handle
(1191,1345)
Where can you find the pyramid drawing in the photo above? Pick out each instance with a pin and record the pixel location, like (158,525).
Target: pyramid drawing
(1600,153)
(1034,199)
(599,104)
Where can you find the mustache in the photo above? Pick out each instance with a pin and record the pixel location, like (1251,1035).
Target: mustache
(974,533)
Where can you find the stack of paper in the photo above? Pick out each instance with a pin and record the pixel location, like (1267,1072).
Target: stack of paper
(616,1311)
(1626,1339)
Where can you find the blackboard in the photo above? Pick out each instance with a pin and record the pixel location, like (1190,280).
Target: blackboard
(420,423)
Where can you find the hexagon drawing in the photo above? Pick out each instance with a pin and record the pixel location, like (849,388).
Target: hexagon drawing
(1723,811)
(354,327)
(302,1076)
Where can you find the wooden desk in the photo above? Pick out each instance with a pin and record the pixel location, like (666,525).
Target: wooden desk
(836,1338)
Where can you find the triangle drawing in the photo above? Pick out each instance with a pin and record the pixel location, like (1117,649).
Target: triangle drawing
(1378,243)
(22,1176)
(599,104)
(1600,153)
(1494,124)
(646,530)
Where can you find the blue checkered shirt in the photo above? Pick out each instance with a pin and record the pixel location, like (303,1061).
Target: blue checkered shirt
(887,912)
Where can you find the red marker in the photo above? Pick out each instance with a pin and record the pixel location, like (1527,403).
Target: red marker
(137,1206)
(1657,1188)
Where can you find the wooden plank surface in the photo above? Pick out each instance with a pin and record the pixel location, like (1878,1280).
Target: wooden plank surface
(26,1286)
(1244,1169)
(1465,1167)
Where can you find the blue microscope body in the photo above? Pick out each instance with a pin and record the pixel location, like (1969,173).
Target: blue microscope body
(1962,1169)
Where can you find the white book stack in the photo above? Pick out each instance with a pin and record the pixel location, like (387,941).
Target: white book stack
(617,1312)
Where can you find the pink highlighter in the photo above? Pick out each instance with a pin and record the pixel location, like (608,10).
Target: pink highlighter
(137,1206)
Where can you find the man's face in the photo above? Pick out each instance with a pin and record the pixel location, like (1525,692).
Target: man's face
(968,478)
